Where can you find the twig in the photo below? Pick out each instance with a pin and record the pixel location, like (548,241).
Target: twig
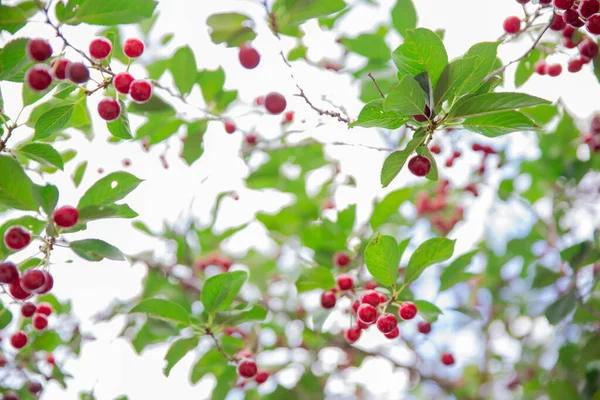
(333,114)
(218,346)
(376,85)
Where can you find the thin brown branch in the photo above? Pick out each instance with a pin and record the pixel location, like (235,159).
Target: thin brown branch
(218,346)
(333,114)
(376,85)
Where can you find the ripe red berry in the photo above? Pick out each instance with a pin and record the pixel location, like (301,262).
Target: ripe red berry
(251,138)
(558,23)
(133,48)
(50,359)
(28,309)
(572,18)
(275,103)
(17,238)
(59,68)
(393,334)
(40,322)
(328,299)
(8,272)
(34,387)
(563,4)
(588,48)
(122,82)
(540,67)
(545,1)
(512,25)
(229,127)
(554,69)
(435,149)
(424,327)
(18,340)
(355,305)
(419,165)
(3,361)
(11,396)
(16,290)
(244,354)
(345,282)
(249,57)
(140,91)
(370,297)
(48,283)
(386,323)
(587,8)
(77,72)
(569,44)
(259,101)
(522,1)
(352,334)
(382,298)
(593,23)
(109,109)
(289,116)
(341,259)
(423,117)
(568,32)
(367,313)
(261,376)
(447,358)
(247,368)
(361,324)
(32,280)
(407,310)
(66,216)
(575,65)
(38,50)
(100,48)
(371,285)
(44,308)
(39,77)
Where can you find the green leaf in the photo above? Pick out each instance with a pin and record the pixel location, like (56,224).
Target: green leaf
(211,361)
(96,250)
(16,189)
(30,96)
(162,309)
(404,16)
(52,121)
(192,147)
(407,99)
(13,60)
(382,257)
(219,291)
(252,312)
(211,83)
(297,53)
(374,115)
(91,213)
(42,153)
(499,124)
(112,12)
(369,45)
(429,311)
(581,254)
(5,316)
(46,341)
(388,207)
(291,13)
(526,68)
(544,277)
(561,390)
(233,29)
(158,128)
(183,68)
(11,19)
(394,162)
(47,197)
(177,351)
(488,103)
(317,277)
(591,351)
(561,308)
(422,50)
(78,174)
(455,272)
(109,189)
(430,252)
(119,128)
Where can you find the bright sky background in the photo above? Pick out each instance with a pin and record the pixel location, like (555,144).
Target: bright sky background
(109,364)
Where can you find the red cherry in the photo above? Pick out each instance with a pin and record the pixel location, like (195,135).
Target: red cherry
(50,359)
(575,65)
(512,25)
(11,396)
(59,68)
(540,67)
(8,272)
(44,308)
(261,376)
(28,309)
(109,109)
(289,116)
(382,298)
(558,23)
(40,322)
(48,283)
(587,8)
(345,282)
(32,280)
(595,128)
(370,297)
(423,117)
(435,149)
(588,48)
(16,290)
(341,259)
(569,44)
(352,334)
(554,69)
(572,18)
(66,216)
(122,82)
(133,48)
(522,1)
(259,101)
(424,327)
(419,165)
(17,238)
(367,313)
(100,48)
(229,127)
(447,358)
(593,23)
(386,323)
(39,77)
(249,57)
(328,299)
(275,103)
(251,138)
(3,361)
(34,387)
(407,310)
(393,334)
(244,354)
(545,1)
(568,32)
(140,91)
(38,50)
(563,4)
(18,340)
(247,368)
(362,325)
(77,72)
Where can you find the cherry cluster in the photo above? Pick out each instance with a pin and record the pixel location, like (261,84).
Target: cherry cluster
(247,369)
(593,137)
(443,216)
(34,388)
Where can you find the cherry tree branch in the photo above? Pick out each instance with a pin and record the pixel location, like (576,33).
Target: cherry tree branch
(376,85)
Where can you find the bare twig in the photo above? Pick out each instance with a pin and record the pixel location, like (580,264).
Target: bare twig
(376,85)
(333,114)
(218,346)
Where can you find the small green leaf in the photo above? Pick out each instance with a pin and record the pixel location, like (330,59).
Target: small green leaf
(369,45)
(382,257)
(193,147)
(177,351)
(297,53)
(13,60)
(407,99)
(561,308)
(317,277)
(211,83)
(394,162)
(109,189)
(233,29)
(389,206)
(47,197)
(455,272)
(91,213)
(42,153)
(16,189)
(374,115)
(219,291)
(11,19)
(96,250)
(183,68)
(78,174)
(430,252)
(499,124)
(561,390)
(526,68)
(247,313)
(488,103)
(404,16)
(52,121)
(544,277)
(5,316)
(46,341)
(112,12)
(119,128)
(429,311)
(162,309)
